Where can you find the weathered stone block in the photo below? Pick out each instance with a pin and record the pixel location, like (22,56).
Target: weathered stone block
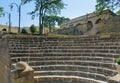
(22,73)
(114,79)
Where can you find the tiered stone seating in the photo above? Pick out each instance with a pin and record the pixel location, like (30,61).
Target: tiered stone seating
(85,59)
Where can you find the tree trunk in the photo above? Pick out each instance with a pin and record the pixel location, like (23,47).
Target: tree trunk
(49,28)
(40,19)
(40,23)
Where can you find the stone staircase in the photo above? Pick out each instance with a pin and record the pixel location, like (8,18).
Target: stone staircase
(80,59)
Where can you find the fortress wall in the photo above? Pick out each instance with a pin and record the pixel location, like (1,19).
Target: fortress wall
(111,25)
(4,61)
(92,23)
(93,17)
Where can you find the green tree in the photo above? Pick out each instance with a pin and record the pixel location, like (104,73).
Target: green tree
(108,4)
(51,21)
(45,7)
(61,20)
(32,29)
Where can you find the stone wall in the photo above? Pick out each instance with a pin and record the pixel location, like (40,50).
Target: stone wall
(91,24)
(93,18)
(112,25)
(69,31)
(4,61)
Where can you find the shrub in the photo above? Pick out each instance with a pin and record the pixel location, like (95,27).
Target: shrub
(32,29)
(24,31)
(118,61)
(12,33)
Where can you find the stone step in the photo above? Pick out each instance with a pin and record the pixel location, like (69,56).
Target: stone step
(103,42)
(74,62)
(83,37)
(65,79)
(94,44)
(92,50)
(80,47)
(81,63)
(81,43)
(82,58)
(76,40)
(87,54)
(72,73)
(92,69)
(54,43)
(65,50)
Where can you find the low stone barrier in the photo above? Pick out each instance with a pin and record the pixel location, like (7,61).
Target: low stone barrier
(22,73)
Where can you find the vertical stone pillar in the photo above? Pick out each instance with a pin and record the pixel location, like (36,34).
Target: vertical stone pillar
(4,61)
(22,73)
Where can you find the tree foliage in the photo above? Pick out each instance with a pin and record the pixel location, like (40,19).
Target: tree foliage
(61,20)
(108,4)
(32,29)
(45,7)
(1,10)
(51,21)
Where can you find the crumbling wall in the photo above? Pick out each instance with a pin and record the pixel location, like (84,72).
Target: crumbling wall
(4,61)
(111,25)
(91,24)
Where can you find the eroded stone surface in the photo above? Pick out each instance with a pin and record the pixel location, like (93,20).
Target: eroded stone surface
(114,79)
(23,73)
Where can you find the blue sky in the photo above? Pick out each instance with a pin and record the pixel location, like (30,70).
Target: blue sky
(74,8)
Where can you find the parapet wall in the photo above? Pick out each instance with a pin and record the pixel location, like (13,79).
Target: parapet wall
(4,62)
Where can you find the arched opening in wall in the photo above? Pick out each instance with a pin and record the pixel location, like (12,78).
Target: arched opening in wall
(71,25)
(89,25)
(98,21)
(4,29)
(78,24)
(75,31)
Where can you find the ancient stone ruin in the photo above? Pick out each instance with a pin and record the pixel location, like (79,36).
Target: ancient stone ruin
(22,73)
(87,58)
(72,59)
(4,61)
(91,24)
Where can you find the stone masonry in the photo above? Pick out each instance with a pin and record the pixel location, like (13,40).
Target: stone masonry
(69,59)
(75,59)
(92,23)
(4,61)
(22,73)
